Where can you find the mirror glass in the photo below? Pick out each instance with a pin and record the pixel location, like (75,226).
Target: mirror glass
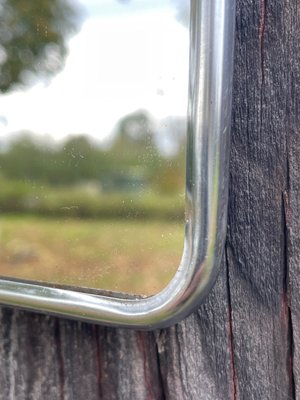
(92,142)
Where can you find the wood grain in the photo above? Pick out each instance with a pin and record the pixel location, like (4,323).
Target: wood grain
(244,341)
(257,244)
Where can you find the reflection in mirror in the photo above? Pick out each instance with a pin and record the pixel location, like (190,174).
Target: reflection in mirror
(92,142)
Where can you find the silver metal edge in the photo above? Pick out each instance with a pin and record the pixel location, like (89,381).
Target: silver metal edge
(209,121)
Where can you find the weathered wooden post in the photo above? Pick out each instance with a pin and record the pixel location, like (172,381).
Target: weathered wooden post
(243,343)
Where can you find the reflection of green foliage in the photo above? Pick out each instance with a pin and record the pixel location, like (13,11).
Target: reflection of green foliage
(37,161)
(135,140)
(133,163)
(25,197)
(32,38)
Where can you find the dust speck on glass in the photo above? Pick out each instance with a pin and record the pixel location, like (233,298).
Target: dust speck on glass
(92,142)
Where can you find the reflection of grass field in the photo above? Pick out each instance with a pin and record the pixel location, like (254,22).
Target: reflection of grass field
(121,255)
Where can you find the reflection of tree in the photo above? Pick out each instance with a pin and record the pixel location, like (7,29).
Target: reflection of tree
(135,158)
(135,134)
(33,38)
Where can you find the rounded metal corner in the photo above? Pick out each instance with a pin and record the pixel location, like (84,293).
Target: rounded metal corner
(209,121)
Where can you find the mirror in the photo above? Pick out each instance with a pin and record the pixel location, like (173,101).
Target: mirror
(47,213)
(92,142)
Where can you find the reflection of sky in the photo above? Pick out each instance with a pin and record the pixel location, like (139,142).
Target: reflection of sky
(128,55)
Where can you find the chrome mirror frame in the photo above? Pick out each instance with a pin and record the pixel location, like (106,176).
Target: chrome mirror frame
(209,121)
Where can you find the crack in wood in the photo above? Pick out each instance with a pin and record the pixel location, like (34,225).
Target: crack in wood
(230,332)
(261,35)
(98,360)
(61,366)
(287,215)
(11,348)
(141,342)
(159,367)
(182,367)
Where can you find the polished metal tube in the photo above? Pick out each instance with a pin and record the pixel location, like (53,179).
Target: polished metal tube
(209,120)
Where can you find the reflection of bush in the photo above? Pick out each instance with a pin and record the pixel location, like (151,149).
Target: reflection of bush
(21,197)
(135,160)
(13,196)
(133,176)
